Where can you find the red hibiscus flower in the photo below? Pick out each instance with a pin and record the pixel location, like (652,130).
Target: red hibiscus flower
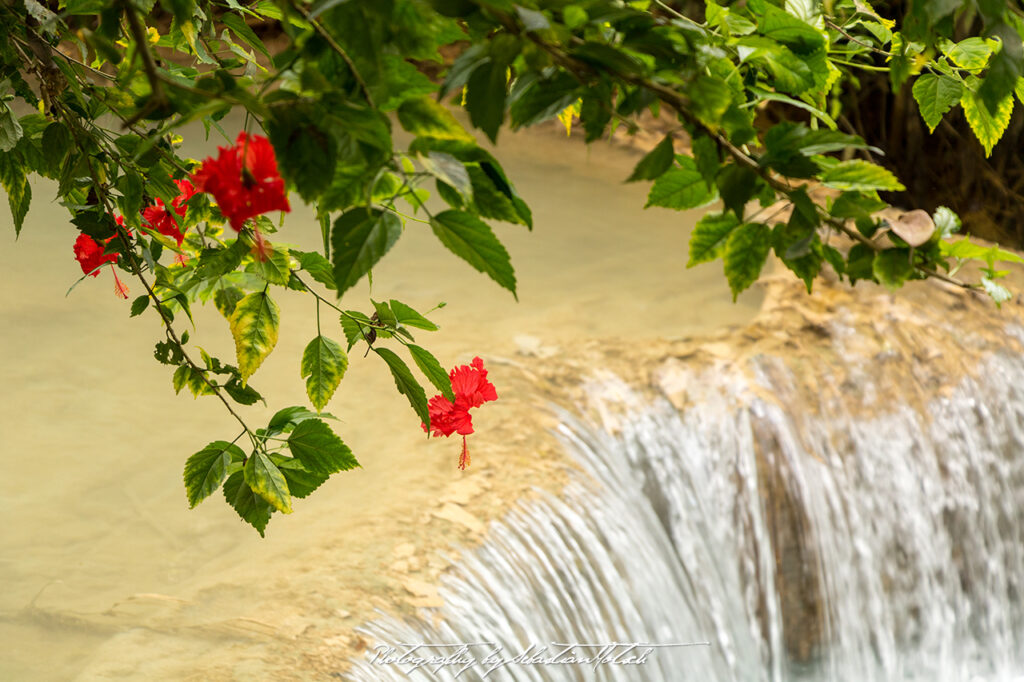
(471,389)
(161,220)
(90,256)
(243,180)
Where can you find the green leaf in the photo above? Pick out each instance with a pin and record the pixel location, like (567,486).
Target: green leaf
(319,449)
(19,192)
(220,261)
(988,127)
(738,185)
(707,242)
(318,267)
(139,305)
(655,163)
(354,331)
(543,99)
(301,483)
(254,326)
(681,188)
(449,170)
(485,97)
(406,384)
(253,509)
(490,201)
(267,481)
(207,469)
(306,151)
(705,154)
(428,118)
(971,53)
(892,268)
(856,205)
(745,253)
(360,239)
(795,34)
(242,394)
(935,96)
(710,98)
(860,176)
(432,369)
(10,130)
(472,240)
(288,417)
(323,365)
(410,318)
(237,24)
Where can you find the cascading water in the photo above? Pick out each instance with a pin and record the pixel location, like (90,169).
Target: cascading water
(808,544)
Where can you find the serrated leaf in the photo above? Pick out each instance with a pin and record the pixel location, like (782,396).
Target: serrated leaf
(472,240)
(971,53)
(745,253)
(428,118)
(10,129)
(485,97)
(318,267)
(490,201)
(892,268)
(319,449)
(180,378)
(410,318)
(267,481)
(681,188)
(406,383)
(254,326)
(207,469)
(237,24)
(301,483)
(289,417)
(987,127)
(323,365)
(432,369)
(707,242)
(253,509)
(860,176)
(795,34)
(655,163)
(359,240)
(935,95)
(139,305)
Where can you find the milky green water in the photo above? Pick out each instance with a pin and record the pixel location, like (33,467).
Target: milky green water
(108,575)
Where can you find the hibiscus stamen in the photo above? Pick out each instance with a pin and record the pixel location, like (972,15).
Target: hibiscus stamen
(120,289)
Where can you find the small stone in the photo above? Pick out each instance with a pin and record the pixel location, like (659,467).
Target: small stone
(459,516)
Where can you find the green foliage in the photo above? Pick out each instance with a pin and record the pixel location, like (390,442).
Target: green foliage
(105,121)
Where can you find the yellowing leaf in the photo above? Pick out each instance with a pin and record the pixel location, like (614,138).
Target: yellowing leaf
(323,365)
(254,326)
(987,127)
(267,481)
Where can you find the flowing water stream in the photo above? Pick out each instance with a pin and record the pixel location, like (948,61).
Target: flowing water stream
(906,531)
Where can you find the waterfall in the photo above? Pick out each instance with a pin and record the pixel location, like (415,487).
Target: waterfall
(798,542)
